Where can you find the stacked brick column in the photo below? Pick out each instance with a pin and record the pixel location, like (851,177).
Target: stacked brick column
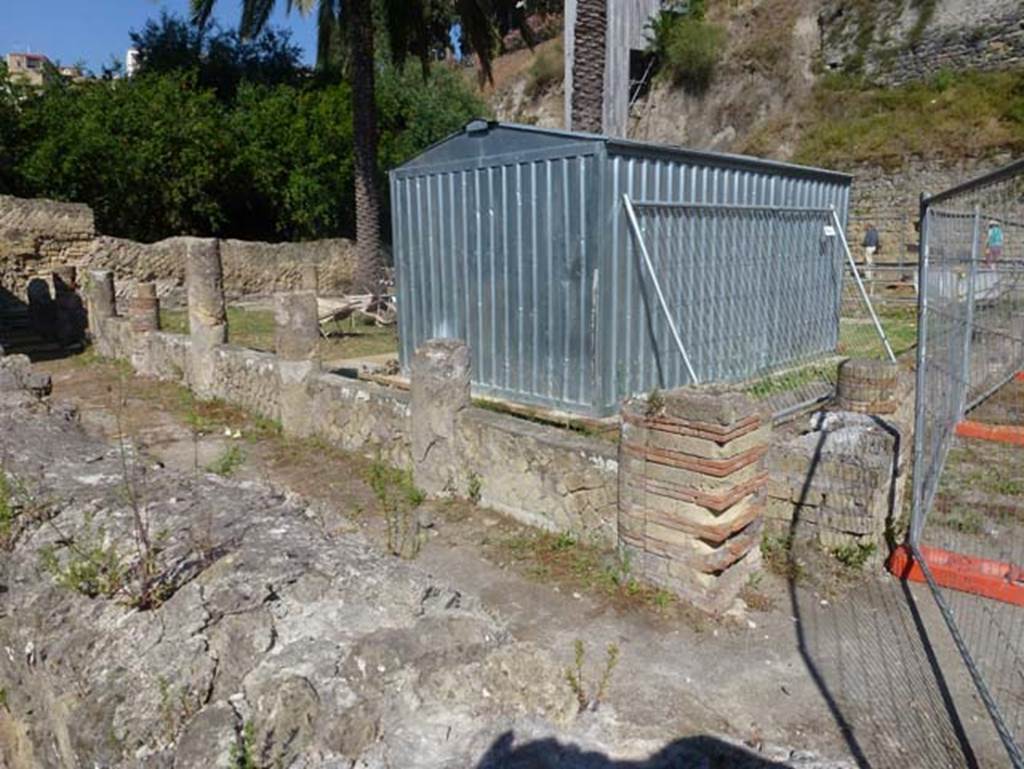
(691,496)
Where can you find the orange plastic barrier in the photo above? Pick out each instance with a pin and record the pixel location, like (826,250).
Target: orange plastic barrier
(1013,434)
(979,576)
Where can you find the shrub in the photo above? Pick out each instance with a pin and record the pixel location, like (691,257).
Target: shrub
(688,49)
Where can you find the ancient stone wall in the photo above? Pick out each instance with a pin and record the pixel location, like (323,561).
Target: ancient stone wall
(250,268)
(543,476)
(898,41)
(38,235)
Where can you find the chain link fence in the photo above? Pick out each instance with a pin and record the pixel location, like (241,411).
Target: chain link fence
(766,296)
(967,524)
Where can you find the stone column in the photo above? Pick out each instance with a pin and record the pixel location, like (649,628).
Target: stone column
(296,336)
(144,309)
(691,493)
(101,304)
(207,317)
(440,377)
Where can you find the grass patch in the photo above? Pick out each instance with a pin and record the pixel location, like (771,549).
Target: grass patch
(854,555)
(848,122)
(254,328)
(859,339)
(776,384)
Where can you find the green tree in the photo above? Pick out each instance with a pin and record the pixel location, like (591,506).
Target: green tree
(148,156)
(412,28)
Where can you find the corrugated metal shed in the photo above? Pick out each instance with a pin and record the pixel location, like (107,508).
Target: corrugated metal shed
(514,239)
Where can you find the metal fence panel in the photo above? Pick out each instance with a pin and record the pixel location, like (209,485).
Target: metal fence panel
(638,354)
(967,522)
(751,293)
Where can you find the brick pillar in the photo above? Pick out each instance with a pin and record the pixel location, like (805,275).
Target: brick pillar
(297,335)
(144,309)
(440,383)
(691,496)
(101,304)
(207,318)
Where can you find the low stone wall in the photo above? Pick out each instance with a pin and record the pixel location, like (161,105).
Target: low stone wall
(541,475)
(363,417)
(36,236)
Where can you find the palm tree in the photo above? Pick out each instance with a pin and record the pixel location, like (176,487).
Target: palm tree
(412,29)
(590,30)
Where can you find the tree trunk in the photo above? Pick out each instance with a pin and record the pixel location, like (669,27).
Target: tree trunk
(369,260)
(588,65)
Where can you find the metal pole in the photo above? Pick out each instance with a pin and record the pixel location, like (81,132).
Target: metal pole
(635,225)
(917,514)
(860,288)
(972,271)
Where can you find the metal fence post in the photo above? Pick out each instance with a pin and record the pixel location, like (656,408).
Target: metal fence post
(917,508)
(972,271)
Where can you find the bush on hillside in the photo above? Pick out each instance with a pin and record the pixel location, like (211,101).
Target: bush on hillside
(687,49)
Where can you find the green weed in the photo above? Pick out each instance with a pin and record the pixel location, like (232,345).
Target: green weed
(855,554)
(398,498)
(228,462)
(243,749)
(575,678)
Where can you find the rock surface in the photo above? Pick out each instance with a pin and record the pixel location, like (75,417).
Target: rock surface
(278,638)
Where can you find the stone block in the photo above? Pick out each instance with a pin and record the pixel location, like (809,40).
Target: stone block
(440,392)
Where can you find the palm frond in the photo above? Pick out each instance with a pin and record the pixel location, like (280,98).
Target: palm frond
(254,17)
(201,10)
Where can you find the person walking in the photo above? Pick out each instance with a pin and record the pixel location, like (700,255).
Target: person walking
(872,243)
(993,243)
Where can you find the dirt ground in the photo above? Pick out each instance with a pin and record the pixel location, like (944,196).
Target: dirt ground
(859,668)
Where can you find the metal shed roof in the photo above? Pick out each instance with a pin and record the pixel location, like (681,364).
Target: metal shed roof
(489,141)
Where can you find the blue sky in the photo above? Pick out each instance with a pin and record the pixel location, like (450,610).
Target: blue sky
(93,30)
